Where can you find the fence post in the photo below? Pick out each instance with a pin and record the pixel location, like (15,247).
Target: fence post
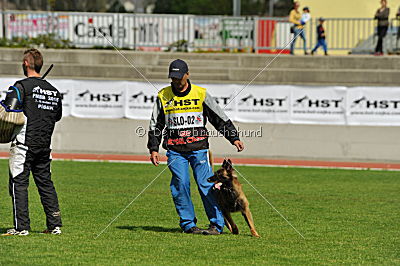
(311,29)
(255,34)
(3,24)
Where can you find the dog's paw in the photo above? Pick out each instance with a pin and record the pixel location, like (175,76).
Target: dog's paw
(255,234)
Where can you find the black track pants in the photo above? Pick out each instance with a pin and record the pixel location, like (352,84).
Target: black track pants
(22,161)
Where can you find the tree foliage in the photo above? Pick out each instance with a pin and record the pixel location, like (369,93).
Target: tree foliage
(221,7)
(196,7)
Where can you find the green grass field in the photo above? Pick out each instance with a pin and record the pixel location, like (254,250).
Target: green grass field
(346,216)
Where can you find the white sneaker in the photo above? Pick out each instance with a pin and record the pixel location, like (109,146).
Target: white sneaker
(13,232)
(55,231)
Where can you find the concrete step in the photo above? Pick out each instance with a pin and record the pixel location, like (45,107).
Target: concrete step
(76,70)
(355,77)
(193,69)
(209,68)
(201,62)
(209,77)
(122,57)
(321,76)
(198,56)
(84,56)
(322,62)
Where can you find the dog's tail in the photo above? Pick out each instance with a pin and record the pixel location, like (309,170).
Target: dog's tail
(210,159)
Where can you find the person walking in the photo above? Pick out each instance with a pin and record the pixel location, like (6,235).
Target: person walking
(398,27)
(382,15)
(182,110)
(320,37)
(30,149)
(298,26)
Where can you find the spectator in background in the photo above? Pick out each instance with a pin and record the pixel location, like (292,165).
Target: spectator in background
(297,28)
(382,15)
(306,16)
(398,24)
(321,37)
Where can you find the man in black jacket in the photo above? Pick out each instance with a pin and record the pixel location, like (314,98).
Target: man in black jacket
(183,109)
(30,149)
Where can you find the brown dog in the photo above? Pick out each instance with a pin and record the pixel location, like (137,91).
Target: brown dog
(231,198)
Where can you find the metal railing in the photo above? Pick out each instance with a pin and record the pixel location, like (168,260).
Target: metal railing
(168,32)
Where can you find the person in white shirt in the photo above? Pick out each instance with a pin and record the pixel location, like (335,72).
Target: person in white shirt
(306,16)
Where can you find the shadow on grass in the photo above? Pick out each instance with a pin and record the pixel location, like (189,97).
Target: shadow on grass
(151,228)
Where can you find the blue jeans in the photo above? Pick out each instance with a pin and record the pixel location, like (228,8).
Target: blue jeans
(321,42)
(302,35)
(180,187)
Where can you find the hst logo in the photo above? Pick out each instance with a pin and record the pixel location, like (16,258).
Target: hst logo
(250,100)
(306,102)
(181,103)
(141,97)
(363,102)
(98,97)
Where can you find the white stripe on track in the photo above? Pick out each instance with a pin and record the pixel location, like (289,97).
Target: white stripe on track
(240,164)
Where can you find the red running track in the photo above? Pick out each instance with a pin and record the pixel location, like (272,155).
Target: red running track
(239,161)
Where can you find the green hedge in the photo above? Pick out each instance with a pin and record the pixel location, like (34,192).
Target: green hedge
(41,41)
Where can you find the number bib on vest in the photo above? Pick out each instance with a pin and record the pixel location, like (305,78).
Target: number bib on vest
(183,112)
(184,120)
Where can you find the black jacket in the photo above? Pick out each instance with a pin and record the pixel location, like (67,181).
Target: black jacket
(42,107)
(320,32)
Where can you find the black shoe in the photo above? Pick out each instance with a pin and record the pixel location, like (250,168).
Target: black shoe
(326,53)
(312,52)
(194,230)
(305,53)
(212,230)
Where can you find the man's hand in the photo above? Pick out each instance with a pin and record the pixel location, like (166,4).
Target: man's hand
(239,145)
(154,158)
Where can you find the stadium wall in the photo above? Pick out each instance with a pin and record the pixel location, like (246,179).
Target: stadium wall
(297,141)
(316,142)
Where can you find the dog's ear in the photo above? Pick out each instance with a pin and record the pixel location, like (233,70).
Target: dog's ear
(224,164)
(228,165)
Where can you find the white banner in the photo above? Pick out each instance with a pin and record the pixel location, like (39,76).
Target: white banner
(263,104)
(224,95)
(98,99)
(251,104)
(318,105)
(373,106)
(65,86)
(140,99)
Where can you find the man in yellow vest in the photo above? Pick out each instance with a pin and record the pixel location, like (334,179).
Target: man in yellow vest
(182,110)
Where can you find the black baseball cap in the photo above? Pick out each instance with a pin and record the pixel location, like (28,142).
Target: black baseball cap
(177,69)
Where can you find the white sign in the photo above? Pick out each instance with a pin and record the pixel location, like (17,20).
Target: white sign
(373,106)
(263,104)
(140,99)
(65,87)
(313,105)
(251,104)
(224,95)
(98,99)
